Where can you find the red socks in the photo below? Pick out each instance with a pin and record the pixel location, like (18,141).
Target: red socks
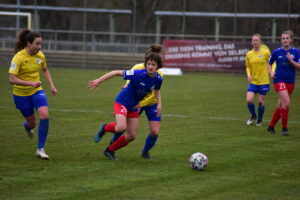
(282,113)
(284,116)
(119,143)
(110,127)
(276,117)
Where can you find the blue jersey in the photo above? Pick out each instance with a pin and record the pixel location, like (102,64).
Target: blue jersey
(139,86)
(284,72)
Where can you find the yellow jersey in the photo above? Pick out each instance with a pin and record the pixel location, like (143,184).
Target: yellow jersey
(27,68)
(150,98)
(256,66)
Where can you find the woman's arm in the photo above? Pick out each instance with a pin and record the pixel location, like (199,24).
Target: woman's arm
(290,58)
(272,74)
(49,79)
(14,80)
(95,83)
(159,105)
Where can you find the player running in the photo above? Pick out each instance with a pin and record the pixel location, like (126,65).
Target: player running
(28,92)
(149,105)
(286,58)
(258,78)
(126,105)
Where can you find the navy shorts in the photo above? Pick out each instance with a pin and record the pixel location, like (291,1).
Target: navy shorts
(151,112)
(27,104)
(260,89)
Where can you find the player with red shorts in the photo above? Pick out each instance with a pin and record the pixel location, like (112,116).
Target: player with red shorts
(286,58)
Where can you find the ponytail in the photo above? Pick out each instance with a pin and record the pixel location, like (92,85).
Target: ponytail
(25,36)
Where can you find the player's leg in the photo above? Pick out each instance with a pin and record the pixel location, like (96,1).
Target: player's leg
(250,103)
(154,126)
(24,104)
(41,105)
(151,139)
(120,113)
(263,89)
(285,102)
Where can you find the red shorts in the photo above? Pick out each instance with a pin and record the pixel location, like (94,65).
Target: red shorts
(280,86)
(120,109)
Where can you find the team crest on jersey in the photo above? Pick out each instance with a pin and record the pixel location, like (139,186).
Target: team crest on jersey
(129,72)
(39,61)
(260,56)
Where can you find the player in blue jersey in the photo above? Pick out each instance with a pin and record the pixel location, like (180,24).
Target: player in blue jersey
(126,105)
(148,105)
(283,79)
(24,75)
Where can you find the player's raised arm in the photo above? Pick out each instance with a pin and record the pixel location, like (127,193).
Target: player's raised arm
(95,83)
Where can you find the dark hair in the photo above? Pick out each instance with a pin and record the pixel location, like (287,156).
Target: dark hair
(153,53)
(25,36)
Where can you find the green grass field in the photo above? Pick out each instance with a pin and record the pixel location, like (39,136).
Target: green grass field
(203,112)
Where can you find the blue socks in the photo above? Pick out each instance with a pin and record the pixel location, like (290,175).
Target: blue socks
(116,136)
(251,108)
(43,132)
(150,142)
(261,110)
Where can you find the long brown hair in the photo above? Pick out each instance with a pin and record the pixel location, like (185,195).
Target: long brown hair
(25,36)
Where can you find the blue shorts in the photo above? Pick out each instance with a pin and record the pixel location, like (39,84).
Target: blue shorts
(151,112)
(26,104)
(260,89)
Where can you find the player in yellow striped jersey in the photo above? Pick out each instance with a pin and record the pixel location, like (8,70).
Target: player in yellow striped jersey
(27,90)
(149,105)
(258,78)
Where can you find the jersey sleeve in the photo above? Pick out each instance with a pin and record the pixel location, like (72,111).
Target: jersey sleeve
(158,84)
(248,70)
(297,56)
(43,60)
(15,65)
(273,57)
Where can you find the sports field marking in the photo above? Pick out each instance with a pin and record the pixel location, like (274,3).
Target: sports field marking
(164,115)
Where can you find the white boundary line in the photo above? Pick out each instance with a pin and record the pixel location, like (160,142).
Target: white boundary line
(164,115)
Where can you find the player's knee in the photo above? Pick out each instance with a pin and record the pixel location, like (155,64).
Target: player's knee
(130,138)
(44,115)
(260,103)
(154,132)
(120,128)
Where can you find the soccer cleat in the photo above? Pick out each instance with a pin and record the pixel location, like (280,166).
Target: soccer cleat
(259,123)
(40,153)
(146,156)
(99,134)
(30,133)
(271,130)
(285,132)
(251,120)
(109,154)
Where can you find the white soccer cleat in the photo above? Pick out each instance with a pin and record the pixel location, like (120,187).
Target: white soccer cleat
(40,153)
(251,121)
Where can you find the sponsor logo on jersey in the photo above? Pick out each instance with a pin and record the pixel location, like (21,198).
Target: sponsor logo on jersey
(143,84)
(39,61)
(13,66)
(129,72)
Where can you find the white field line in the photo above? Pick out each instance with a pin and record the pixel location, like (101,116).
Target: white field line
(164,115)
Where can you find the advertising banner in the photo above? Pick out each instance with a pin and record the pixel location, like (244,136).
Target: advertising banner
(200,55)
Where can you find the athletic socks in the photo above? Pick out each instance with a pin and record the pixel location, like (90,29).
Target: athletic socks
(149,143)
(43,132)
(110,127)
(261,110)
(118,144)
(276,117)
(251,108)
(116,136)
(284,117)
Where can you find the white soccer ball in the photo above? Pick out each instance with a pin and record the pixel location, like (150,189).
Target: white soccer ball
(198,161)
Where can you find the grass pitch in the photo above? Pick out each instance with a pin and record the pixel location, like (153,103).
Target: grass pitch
(202,112)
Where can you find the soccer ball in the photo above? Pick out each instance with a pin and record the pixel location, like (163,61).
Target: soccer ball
(198,161)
